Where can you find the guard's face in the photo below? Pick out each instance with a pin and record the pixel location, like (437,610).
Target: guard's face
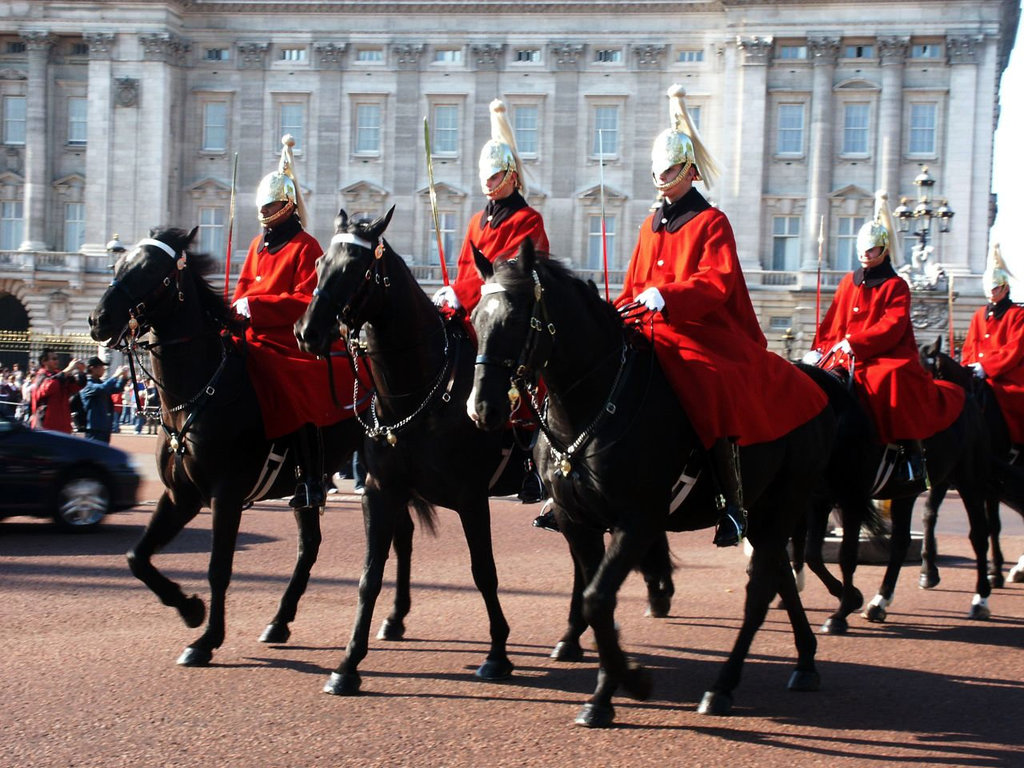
(268,210)
(997,294)
(872,257)
(678,182)
(500,185)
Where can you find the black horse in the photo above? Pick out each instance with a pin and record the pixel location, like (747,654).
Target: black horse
(1008,482)
(422,448)
(620,455)
(211,449)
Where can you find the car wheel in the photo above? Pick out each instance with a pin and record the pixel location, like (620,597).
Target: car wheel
(83,500)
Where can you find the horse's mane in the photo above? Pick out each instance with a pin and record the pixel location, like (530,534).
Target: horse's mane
(201,265)
(550,269)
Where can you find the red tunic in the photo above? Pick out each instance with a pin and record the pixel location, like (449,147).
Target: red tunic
(905,402)
(707,338)
(290,384)
(494,242)
(51,408)
(998,344)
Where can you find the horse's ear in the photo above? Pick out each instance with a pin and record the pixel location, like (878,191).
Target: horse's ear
(340,221)
(527,255)
(483,266)
(377,226)
(938,343)
(191,236)
(593,286)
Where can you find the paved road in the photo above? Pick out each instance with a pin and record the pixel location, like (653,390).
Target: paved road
(89,677)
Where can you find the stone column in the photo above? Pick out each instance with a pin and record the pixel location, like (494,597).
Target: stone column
(565,59)
(37,157)
(410,166)
(332,142)
(100,224)
(892,52)
(746,180)
(256,140)
(824,51)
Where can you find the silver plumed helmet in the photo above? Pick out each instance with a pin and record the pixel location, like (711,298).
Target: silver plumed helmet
(499,153)
(996,272)
(680,144)
(880,231)
(282,186)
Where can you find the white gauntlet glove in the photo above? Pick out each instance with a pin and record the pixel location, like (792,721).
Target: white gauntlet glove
(652,299)
(446,295)
(979,372)
(242,307)
(812,358)
(843,346)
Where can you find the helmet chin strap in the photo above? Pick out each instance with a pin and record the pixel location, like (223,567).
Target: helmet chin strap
(667,185)
(281,215)
(504,182)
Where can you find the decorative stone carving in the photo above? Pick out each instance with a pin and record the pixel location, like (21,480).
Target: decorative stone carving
(126,91)
(823,50)
(38,40)
(893,50)
(9,73)
(100,44)
(963,49)
(650,56)
(486,56)
(164,46)
(252,55)
(757,51)
(330,55)
(567,55)
(408,55)
(59,310)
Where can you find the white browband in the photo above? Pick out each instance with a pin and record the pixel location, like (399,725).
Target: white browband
(348,237)
(488,288)
(162,246)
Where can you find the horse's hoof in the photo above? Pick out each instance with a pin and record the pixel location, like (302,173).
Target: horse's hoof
(996,581)
(343,685)
(596,716)
(637,683)
(658,607)
(835,625)
(567,651)
(391,630)
(715,703)
(275,633)
(1016,575)
(875,613)
(928,579)
(979,613)
(495,669)
(195,657)
(804,680)
(193,612)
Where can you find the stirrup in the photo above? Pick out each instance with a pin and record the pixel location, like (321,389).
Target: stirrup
(307,496)
(546,518)
(729,531)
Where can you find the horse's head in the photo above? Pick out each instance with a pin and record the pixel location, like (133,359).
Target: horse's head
(352,277)
(943,367)
(146,286)
(513,334)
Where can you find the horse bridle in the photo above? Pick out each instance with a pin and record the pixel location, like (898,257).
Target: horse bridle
(376,274)
(137,307)
(527,365)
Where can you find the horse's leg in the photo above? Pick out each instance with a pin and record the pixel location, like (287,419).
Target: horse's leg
(310,537)
(974,503)
(995,527)
(766,574)
(476,525)
(657,570)
(599,599)
(393,627)
(929,548)
(381,510)
(168,520)
(799,556)
(226,516)
(899,542)
(814,540)
(568,647)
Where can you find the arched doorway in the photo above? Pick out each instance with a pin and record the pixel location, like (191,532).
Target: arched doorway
(14,337)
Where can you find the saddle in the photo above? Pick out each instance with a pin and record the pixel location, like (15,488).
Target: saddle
(894,477)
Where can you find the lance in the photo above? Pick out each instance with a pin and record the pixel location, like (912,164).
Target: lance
(231,228)
(604,232)
(952,349)
(817,299)
(433,200)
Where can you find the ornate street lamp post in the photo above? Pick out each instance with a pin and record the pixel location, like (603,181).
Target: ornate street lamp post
(922,214)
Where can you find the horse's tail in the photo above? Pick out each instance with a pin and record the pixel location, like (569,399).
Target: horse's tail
(425,512)
(875,521)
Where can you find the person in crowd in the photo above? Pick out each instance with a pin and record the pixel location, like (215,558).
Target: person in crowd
(685,279)
(274,288)
(97,398)
(868,322)
(505,221)
(994,347)
(10,396)
(52,390)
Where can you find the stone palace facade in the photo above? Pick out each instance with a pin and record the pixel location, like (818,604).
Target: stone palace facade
(120,116)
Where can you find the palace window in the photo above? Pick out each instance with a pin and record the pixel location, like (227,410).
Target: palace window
(791,129)
(446,221)
(12,225)
(215,126)
(606,132)
(293,121)
(524,126)
(78,121)
(444,133)
(211,231)
(14,120)
(846,242)
(367,129)
(855,129)
(595,243)
(921,140)
(74,226)
(785,243)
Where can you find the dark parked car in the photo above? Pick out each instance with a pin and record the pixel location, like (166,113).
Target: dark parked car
(71,479)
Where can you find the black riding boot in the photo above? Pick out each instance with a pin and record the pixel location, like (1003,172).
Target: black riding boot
(309,492)
(915,471)
(725,469)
